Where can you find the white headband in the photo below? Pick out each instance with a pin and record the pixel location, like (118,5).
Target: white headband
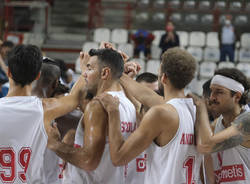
(228,83)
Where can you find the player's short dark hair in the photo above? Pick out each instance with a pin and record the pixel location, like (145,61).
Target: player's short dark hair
(50,71)
(179,66)
(24,63)
(238,76)
(110,58)
(147,77)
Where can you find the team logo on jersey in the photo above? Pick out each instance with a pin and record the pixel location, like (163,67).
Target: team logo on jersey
(230,173)
(141,164)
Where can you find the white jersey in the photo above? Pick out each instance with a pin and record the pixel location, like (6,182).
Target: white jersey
(231,166)
(106,172)
(53,167)
(178,162)
(22,140)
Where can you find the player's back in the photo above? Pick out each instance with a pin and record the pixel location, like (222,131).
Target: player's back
(22,140)
(178,162)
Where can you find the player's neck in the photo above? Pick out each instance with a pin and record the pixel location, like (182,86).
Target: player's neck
(19,91)
(109,86)
(229,116)
(170,93)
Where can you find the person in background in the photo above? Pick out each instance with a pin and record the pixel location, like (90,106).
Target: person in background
(227,38)
(148,79)
(170,38)
(5,48)
(142,43)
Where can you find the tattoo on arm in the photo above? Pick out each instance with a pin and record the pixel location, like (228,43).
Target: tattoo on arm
(242,123)
(229,143)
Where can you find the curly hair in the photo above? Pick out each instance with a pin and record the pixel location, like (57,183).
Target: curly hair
(179,66)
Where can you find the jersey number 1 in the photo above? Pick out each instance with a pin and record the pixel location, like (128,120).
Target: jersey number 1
(8,164)
(188,165)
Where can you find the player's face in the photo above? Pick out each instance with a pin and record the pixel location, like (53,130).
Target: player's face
(152,85)
(5,51)
(221,99)
(92,75)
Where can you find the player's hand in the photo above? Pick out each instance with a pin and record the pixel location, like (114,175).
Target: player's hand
(53,135)
(69,137)
(125,57)
(107,45)
(109,103)
(199,102)
(84,58)
(131,69)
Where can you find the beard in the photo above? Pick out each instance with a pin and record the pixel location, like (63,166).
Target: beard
(160,91)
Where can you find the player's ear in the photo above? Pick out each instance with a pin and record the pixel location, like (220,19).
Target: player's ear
(237,97)
(106,73)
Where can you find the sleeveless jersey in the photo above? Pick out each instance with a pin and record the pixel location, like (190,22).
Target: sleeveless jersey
(106,173)
(53,167)
(231,166)
(22,140)
(178,162)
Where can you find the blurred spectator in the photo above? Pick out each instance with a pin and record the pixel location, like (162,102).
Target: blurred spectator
(170,38)
(5,47)
(227,37)
(142,43)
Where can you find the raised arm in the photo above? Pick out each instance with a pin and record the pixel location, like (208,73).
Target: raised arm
(143,94)
(56,107)
(208,142)
(95,128)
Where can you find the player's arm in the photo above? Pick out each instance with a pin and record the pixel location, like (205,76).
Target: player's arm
(123,151)
(95,127)
(232,136)
(56,107)
(142,93)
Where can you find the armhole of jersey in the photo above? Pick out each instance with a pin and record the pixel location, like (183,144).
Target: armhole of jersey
(176,134)
(43,123)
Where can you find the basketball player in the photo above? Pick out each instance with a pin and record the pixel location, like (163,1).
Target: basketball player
(167,129)
(92,156)
(25,119)
(229,143)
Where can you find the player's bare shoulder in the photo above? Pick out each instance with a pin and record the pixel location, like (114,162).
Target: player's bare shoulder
(165,113)
(94,108)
